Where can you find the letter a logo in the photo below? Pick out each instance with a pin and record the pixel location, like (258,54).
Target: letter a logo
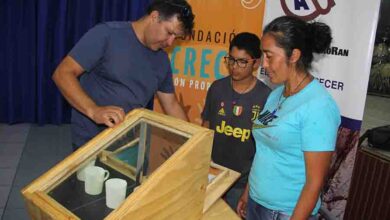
(311,13)
(301,4)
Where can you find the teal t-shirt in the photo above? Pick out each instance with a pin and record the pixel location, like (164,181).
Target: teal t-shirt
(306,121)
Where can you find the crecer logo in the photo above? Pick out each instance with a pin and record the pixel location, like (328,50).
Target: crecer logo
(307,9)
(228,130)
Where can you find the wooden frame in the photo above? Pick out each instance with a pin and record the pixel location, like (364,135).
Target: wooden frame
(175,190)
(110,159)
(224,178)
(220,211)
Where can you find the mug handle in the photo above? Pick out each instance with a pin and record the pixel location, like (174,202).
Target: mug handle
(106,174)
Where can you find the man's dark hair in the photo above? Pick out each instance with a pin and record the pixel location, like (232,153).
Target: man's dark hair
(169,8)
(248,42)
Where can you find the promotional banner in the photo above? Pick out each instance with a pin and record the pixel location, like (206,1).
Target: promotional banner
(344,70)
(197,60)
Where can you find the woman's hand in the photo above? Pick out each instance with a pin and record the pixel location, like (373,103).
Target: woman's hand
(241,206)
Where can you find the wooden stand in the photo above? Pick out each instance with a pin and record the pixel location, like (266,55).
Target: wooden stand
(220,211)
(369,192)
(166,162)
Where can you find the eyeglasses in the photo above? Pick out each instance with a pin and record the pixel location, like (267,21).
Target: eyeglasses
(185,12)
(242,63)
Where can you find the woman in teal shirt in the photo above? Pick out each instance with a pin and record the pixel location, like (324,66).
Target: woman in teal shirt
(296,131)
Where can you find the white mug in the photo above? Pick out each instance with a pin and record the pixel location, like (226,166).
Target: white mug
(94,178)
(81,170)
(115,192)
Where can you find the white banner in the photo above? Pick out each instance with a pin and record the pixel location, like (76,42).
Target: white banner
(344,70)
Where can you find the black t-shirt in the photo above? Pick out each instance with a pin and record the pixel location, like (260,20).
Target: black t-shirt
(231,115)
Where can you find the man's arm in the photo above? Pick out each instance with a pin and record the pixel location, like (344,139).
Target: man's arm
(171,106)
(65,77)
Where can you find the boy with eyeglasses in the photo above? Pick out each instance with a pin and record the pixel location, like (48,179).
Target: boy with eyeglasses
(232,104)
(121,66)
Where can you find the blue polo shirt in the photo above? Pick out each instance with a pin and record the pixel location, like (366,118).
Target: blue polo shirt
(119,71)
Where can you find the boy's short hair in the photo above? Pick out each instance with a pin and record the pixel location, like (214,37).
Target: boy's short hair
(248,42)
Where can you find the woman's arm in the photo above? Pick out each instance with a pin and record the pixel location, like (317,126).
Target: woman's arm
(317,165)
(242,202)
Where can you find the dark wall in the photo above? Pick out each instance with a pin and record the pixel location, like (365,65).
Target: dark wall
(384,21)
(35,35)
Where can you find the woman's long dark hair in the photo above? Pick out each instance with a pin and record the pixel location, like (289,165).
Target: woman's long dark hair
(293,33)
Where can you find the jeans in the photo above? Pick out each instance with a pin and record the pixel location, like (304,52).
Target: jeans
(258,212)
(233,195)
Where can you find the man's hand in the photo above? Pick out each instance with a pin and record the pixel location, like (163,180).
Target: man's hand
(108,115)
(171,106)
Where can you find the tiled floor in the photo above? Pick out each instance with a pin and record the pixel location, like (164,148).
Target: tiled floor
(21,161)
(12,141)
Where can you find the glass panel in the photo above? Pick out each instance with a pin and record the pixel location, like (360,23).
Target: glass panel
(163,144)
(133,155)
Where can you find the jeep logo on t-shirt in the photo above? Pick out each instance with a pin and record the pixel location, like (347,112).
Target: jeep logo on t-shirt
(228,130)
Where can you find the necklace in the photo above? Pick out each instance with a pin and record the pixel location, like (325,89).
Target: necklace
(292,93)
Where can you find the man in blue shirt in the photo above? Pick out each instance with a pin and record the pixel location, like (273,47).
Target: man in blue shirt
(122,66)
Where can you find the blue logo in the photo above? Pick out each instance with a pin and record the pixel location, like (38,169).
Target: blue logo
(307,9)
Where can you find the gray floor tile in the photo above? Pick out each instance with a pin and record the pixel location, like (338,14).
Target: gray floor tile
(4,192)
(15,214)
(24,127)
(15,198)
(10,154)
(9,162)
(45,147)
(7,176)
(12,149)
(28,171)
(11,136)
(53,140)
